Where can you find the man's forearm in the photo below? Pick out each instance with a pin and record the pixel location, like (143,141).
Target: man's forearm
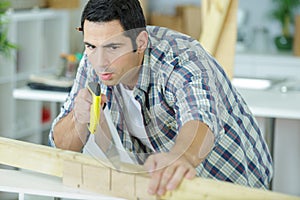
(195,140)
(68,135)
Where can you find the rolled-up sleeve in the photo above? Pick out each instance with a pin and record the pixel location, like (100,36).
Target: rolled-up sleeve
(197,98)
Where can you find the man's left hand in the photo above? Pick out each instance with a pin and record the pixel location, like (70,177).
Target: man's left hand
(167,170)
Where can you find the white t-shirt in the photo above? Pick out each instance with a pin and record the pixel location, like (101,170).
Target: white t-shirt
(133,117)
(134,123)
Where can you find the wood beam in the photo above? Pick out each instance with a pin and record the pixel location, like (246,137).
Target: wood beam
(78,170)
(219,31)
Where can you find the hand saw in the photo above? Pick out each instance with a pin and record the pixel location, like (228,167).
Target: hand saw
(103,137)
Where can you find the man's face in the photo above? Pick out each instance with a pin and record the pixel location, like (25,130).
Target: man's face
(111,53)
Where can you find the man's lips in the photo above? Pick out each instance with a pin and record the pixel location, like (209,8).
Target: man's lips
(106,76)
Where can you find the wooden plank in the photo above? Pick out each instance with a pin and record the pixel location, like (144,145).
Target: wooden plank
(39,158)
(50,161)
(219,31)
(225,49)
(24,155)
(96,178)
(141,186)
(214,13)
(123,184)
(72,174)
(198,188)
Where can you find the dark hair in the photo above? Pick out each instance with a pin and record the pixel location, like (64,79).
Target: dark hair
(129,12)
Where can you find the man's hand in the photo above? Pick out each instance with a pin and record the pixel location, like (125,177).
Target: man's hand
(71,131)
(82,108)
(82,105)
(167,170)
(193,143)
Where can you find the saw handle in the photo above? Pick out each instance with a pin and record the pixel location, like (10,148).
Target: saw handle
(95,90)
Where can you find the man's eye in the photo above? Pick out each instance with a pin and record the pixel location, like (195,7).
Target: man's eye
(91,47)
(114,47)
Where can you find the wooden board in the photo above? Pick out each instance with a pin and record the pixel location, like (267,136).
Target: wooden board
(214,13)
(78,170)
(225,50)
(219,31)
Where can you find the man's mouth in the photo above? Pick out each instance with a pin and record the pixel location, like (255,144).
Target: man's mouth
(106,76)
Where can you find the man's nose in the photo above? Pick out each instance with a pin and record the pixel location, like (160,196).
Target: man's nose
(99,61)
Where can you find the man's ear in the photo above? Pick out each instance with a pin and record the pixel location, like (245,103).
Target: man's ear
(142,41)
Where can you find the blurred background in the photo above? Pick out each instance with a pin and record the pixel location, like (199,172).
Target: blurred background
(40,50)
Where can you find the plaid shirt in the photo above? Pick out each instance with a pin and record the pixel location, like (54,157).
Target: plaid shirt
(179,82)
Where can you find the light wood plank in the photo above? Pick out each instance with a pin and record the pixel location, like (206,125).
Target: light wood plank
(96,178)
(50,161)
(141,186)
(200,188)
(123,184)
(214,13)
(225,49)
(72,174)
(39,158)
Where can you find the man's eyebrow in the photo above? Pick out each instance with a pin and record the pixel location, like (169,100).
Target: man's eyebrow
(86,43)
(113,44)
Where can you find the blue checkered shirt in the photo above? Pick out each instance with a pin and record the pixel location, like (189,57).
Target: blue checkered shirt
(178,82)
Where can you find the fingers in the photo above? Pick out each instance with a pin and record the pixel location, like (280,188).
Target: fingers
(167,176)
(82,104)
(150,166)
(155,182)
(191,174)
(181,172)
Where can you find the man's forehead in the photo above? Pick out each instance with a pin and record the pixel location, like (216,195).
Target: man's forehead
(116,37)
(104,32)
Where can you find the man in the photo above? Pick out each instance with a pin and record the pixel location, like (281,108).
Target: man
(170,101)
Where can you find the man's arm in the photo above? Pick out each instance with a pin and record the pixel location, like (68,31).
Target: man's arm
(71,131)
(195,140)
(193,143)
(64,134)
(69,136)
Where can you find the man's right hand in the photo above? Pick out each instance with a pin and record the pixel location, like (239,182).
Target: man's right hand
(82,105)
(71,132)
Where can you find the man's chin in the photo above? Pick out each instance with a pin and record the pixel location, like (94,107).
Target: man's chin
(109,83)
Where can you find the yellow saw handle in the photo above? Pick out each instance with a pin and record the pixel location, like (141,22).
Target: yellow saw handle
(95,90)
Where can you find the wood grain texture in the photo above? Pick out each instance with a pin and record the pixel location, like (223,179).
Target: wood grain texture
(225,50)
(85,172)
(219,31)
(214,14)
